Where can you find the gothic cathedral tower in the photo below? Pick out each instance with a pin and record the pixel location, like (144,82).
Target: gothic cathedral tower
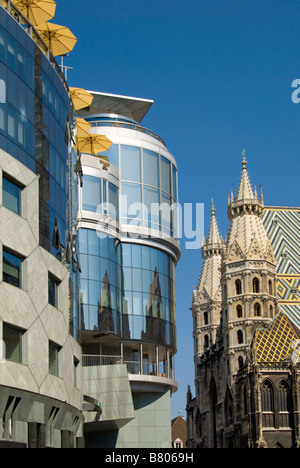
(207,297)
(248,274)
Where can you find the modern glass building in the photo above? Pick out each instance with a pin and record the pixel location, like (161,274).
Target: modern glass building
(41,399)
(128,249)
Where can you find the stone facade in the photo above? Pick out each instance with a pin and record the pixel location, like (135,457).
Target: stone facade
(37,407)
(246,367)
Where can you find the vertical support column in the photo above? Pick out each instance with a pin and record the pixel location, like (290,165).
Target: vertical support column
(67,439)
(141,359)
(122,353)
(168,363)
(156,355)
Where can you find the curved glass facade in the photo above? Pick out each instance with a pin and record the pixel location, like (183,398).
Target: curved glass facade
(34,116)
(148,188)
(126,289)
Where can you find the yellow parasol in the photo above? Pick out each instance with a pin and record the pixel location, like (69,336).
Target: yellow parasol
(81,98)
(36,11)
(82,126)
(59,39)
(93,144)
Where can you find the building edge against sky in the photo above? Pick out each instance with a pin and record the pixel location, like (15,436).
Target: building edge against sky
(77,260)
(40,370)
(127,254)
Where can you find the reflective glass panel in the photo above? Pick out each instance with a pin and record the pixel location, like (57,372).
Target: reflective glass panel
(53,291)
(12,338)
(11,196)
(150,168)
(151,205)
(132,201)
(165,182)
(112,154)
(91,193)
(113,200)
(12,269)
(174,182)
(131,163)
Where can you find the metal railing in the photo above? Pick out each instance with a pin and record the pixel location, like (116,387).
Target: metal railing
(131,126)
(103,360)
(133,367)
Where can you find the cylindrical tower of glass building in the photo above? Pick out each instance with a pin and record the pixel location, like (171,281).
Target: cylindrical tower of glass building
(129,247)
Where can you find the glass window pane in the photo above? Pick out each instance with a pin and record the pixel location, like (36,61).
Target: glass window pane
(113,201)
(150,168)
(131,201)
(53,291)
(174,182)
(112,154)
(12,338)
(165,175)
(131,163)
(11,196)
(11,269)
(166,211)
(53,358)
(151,205)
(136,256)
(91,193)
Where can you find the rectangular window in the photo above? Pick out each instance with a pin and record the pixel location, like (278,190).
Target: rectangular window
(165,175)
(54,353)
(76,368)
(150,168)
(131,163)
(11,195)
(12,269)
(53,286)
(113,192)
(151,206)
(132,207)
(174,171)
(12,338)
(112,154)
(91,193)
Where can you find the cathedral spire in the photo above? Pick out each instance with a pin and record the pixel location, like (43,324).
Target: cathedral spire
(214,235)
(214,242)
(245,191)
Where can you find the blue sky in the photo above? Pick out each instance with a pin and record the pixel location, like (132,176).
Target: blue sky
(220,75)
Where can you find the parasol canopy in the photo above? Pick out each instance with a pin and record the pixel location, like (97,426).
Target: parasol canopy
(59,39)
(81,98)
(82,126)
(36,11)
(93,144)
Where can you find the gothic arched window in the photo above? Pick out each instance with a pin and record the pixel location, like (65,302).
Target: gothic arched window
(257,310)
(283,397)
(271,288)
(255,284)
(238,287)
(241,362)
(267,399)
(205,317)
(240,337)
(239,311)
(206,342)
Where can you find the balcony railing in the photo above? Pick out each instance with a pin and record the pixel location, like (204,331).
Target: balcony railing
(133,367)
(121,124)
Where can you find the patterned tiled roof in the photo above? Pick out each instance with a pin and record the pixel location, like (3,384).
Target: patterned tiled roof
(283,228)
(274,344)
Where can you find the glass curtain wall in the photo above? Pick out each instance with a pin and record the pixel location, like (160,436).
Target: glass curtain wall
(126,289)
(148,189)
(34,121)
